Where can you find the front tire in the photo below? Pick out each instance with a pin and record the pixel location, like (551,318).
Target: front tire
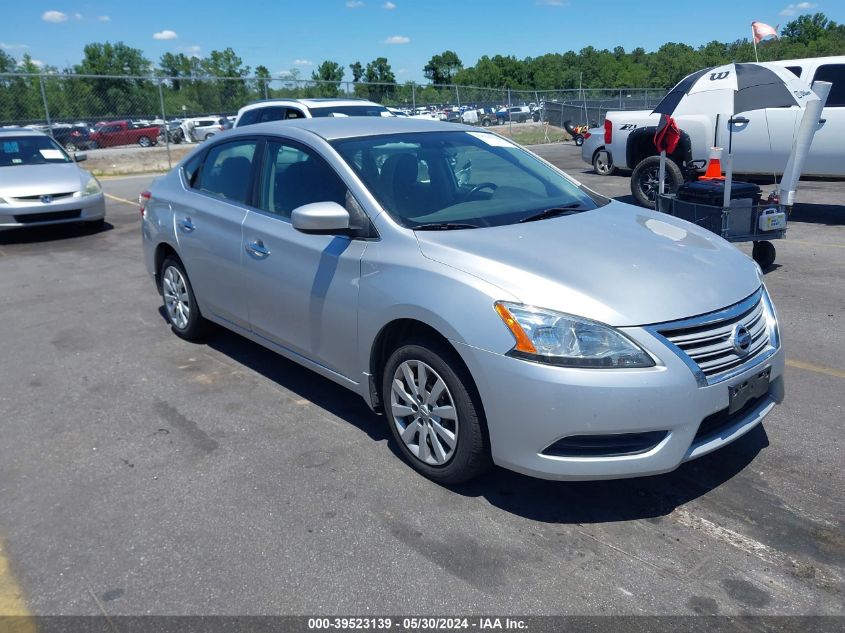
(433,414)
(645,177)
(579,140)
(180,304)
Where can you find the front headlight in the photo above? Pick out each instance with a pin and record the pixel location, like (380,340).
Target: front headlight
(92,187)
(547,336)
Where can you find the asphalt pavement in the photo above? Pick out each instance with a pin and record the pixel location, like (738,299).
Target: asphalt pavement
(142,474)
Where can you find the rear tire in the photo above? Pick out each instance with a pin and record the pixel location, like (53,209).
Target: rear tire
(644,180)
(180,304)
(579,140)
(413,412)
(603,164)
(144,141)
(70,146)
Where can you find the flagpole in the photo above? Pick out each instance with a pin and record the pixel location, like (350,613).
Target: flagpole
(754,41)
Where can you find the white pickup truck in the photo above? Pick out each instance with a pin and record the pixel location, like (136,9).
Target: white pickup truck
(761,144)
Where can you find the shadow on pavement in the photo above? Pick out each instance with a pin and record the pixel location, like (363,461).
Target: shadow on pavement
(51,233)
(620,499)
(535,499)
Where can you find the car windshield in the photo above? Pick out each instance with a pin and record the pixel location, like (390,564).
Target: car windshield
(456,179)
(349,110)
(30,150)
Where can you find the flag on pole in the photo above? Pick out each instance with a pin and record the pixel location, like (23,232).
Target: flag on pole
(762,31)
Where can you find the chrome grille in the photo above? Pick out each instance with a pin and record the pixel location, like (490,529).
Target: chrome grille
(708,340)
(37,198)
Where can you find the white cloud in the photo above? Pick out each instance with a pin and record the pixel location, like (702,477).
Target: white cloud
(398,39)
(388,5)
(12,47)
(354,4)
(35,62)
(792,9)
(402,71)
(78,16)
(303,62)
(553,3)
(103,18)
(192,51)
(54,16)
(166,34)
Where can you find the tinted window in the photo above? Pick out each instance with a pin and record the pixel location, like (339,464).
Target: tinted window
(191,169)
(292,176)
(835,74)
(274,113)
(227,169)
(356,110)
(795,70)
(248,118)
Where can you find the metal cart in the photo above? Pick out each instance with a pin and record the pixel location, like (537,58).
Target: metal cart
(743,221)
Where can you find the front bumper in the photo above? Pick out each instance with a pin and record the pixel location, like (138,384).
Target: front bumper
(530,406)
(64,211)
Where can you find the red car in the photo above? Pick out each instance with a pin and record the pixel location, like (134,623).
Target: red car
(124,133)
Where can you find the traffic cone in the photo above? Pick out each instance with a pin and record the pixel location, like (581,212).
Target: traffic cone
(714,165)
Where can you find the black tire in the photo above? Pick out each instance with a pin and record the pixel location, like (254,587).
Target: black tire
(485,122)
(70,146)
(644,180)
(536,116)
(764,253)
(471,455)
(579,140)
(603,164)
(144,141)
(196,326)
(93,145)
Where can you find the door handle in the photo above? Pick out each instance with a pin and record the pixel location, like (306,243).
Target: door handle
(257,248)
(822,121)
(186,225)
(739,120)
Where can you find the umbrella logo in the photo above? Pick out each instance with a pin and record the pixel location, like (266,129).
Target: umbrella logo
(800,94)
(719,76)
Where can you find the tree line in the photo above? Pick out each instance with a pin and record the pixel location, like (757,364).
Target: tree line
(186,88)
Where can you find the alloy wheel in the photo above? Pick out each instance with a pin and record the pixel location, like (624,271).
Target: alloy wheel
(424,413)
(176,300)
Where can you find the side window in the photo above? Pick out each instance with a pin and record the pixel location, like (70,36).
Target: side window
(191,170)
(293,176)
(227,169)
(293,113)
(249,117)
(795,70)
(274,113)
(835,74)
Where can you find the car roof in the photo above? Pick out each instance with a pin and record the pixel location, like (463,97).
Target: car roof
(19,131)
(309,103)
(332,128)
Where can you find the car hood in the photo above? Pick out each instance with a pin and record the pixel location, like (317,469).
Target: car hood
(34,180)
(618,264)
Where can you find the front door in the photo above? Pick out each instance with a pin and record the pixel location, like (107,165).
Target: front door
(303,289)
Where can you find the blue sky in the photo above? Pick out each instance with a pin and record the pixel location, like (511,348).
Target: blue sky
(286,34)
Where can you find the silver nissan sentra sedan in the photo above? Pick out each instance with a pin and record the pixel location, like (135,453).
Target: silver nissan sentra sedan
(41,184)
(492,307)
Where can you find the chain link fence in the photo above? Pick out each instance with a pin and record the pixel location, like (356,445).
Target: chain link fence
(58,102)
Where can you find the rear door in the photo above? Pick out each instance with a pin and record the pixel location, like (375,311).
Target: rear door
(208,217)
(827,153)
(302,289)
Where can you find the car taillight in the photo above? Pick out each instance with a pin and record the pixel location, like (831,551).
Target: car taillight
(586,135)
(143,199)
(608,131)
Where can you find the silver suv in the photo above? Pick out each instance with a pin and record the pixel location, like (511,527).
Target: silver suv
(284,109)
(494,309)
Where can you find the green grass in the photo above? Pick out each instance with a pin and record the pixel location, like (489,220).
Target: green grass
(533,135)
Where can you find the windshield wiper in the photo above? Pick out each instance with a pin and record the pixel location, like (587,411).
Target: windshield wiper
(444,226)
(554,212)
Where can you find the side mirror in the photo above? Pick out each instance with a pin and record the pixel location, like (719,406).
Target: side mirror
(320,218)
(80,156)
